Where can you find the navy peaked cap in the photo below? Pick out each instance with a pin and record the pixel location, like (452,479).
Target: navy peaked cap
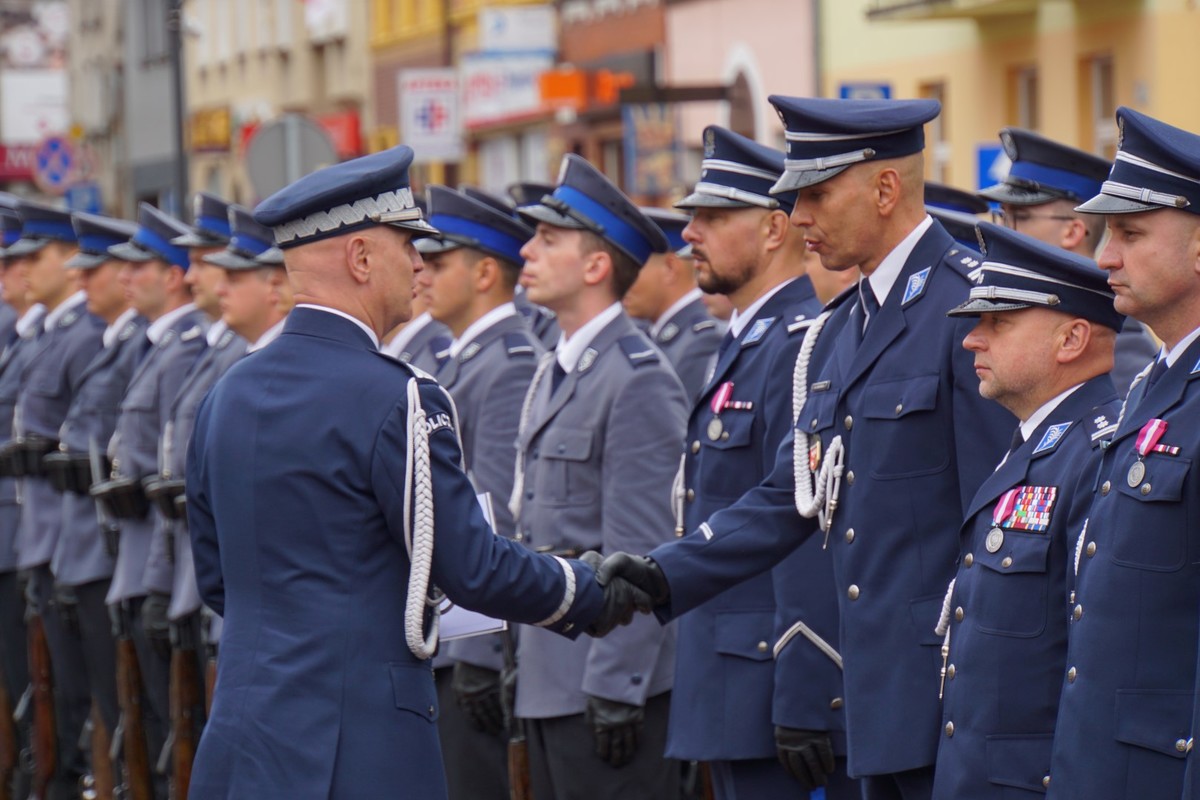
(40,225)
(501,204)
(963,227)
(529,193)
(939,195)
(825,136)
(247,242)
(272,257)
(671,223)
(1157,166)
(586,200)
(210,223)
(1043,170)
(463,221)
(737,172)
(10,221)
(345,197)
(152,240)
(1019,271)
(97,233)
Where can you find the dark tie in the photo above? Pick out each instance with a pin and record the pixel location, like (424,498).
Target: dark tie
(557,377)
(865,311)
(1018,439)
(726,341)
(1156,372)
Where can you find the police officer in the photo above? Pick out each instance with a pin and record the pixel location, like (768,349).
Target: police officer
(302,512)
(721,706)
(891,425)
(154,278)
(1043,348)
(540,318)
(471,269)
(1038,197)
(422,341)
(49,380)
(599,441)
(1125,718)
(957,210)
(666,297)
(83,558)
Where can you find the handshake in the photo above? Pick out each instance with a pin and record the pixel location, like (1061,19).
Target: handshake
(631,583)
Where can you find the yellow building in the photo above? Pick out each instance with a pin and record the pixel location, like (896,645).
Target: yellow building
(1060,67)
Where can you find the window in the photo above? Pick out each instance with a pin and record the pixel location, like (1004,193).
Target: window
(283,23)
(153,17)
(937,146)
(1023,92)
(1103,104)
(220,28)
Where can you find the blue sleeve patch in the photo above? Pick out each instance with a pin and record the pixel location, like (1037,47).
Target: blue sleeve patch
(638,350)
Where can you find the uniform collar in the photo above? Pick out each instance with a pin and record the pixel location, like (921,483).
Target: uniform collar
(61,310)
(160,326)
(500,312)
(215,332)
(1178,349)
(569,351)
(884,277)
(270,335)
(29,320)
(739,321)
(113,331)
(401,340)
(676,307)
(1038,417)
(344,315)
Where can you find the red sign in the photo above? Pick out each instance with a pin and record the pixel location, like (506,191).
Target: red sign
(343,129)
(17,162)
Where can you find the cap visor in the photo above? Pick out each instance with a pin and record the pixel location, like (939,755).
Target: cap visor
(1107,204)
(791,181)
(82,260)
(417,227)
(270,258)
(433,245)
(973,308)
(25,247)
(1016,196)
(197,239)
(128,251)
(227,260)
(540,213)
(702,200)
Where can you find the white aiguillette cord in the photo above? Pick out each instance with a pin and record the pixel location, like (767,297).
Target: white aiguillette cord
(822,500)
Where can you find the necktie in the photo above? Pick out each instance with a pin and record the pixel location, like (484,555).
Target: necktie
(1018,439)
(557,376)
(726,341)
(865,311)
(1156,372)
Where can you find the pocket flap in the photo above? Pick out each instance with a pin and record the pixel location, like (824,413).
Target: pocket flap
(899,398)
(1162,481)
(818,411)
(567,444)
(1019,761)
(744,634)
(1157,721)
(1021,552)
(413,689)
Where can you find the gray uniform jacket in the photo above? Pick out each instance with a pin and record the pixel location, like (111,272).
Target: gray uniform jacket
(152,389)
(12,361)
(600,455)
(169,538)
(49,381)
(82,556)
(488,380)
(425,349)
(689,340)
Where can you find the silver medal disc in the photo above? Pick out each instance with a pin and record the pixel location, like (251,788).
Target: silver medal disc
(715,429)
(995,540)
(1136,473)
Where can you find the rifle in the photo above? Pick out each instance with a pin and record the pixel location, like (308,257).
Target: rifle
(103,772)
(185,697)
(10,744)
(42,680)
(132,739)
(519,787)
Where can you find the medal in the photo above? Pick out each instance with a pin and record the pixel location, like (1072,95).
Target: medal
(715,428)
(1136,473)
(995,540)
(1147,441)
(814,455)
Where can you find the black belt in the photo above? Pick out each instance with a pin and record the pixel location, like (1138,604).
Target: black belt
(71,472)
(164,494)
(122,498)
(22,457)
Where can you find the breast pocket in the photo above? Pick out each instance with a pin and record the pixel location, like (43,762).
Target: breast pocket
(1152,523)
(48,383)
(907,436)
(566,474)
(729,464)
(1013,594)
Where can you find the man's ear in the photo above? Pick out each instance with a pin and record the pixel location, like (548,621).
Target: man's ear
(1074,232)
(358,258)
(1074,337)
(597,266)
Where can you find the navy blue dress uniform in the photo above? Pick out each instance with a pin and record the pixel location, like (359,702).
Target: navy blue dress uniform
(1043,171)
(687,334)
(903,400)
(298,509)
(957,210)
(722,703)
(1007,639)
(597,455)
(1125,717)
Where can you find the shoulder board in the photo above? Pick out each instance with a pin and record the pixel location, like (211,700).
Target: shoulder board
(167,337)
(129,329)
(1100,426)
(1052,438)
(517,344)
(669,332)
(758,330)
(914,287)
(69,318)
(800,323)
(189,334)
(636,349)
(469,352)
(704,325)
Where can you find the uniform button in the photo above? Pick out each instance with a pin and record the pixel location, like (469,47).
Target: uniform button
(562,448)
(848,422)
(1006,563)
(1091,549)
(951,671)
(725,436)
(1046,781)
(836,703)
(431,711)
(852,592)
(968,559)
(1071,599)
(1145,488)
(691,495)
(1077,613)
(529,495)
(1072,674)
(899,408)
(520,537)
(949,729)
(1181,745)
(636,680)
(813,425)
(849,535)
(762,647)
(1106,487)
(568,627)
(695,447)
(959,614)
(850,477)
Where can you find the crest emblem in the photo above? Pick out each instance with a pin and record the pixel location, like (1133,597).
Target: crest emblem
(915,286)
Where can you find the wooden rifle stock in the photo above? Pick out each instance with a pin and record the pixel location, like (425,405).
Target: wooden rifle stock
(133,735)
(45,743)
(210,683)
(10,744)
(519,786)
(185,696)
(104,774)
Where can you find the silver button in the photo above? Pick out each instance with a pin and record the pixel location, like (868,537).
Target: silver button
(725,436)
(899,408)
(848,422)
(959,614)
(850,477)
(949,729)
(1106,487)
(1046,781)
(1077,613)
(695,447)
(1145,489)
(852,592)
(849,535)
(813,425)
(1007,562)
(691,495)
(1091,549)
(1181,745)
(431,710)
(836,703)
(968,560)
(1072,674)
(951,671)
(763,647)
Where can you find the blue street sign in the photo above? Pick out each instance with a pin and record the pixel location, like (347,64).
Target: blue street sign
(865,91)
(84,197)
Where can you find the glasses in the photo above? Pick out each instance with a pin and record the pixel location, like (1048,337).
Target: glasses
(1011,219)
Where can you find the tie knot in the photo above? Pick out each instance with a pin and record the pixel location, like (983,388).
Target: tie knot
(1018,439)
(1156,372)
(866,296)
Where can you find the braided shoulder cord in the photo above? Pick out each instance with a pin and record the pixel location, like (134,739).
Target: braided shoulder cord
(418,529)
(820,501)
(514,500)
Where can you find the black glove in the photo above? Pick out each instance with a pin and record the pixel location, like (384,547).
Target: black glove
(155,623)
(478,692)
(621,599)
(617,727)
(641,571)
(806,755)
